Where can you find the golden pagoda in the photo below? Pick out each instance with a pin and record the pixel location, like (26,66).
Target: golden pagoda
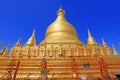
(60,56)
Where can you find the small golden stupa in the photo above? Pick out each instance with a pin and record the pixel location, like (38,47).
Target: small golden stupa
(60,56)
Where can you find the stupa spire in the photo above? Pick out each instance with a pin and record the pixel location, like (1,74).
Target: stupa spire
(5,52)
(103,43)
(114,50)
(91,40)
(60,11)
(89,34)
(18,42)
(31,41)
(60,14)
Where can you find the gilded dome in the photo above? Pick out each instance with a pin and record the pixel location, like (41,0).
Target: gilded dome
(61,30)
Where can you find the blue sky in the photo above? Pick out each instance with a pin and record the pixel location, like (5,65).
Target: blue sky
(18,18)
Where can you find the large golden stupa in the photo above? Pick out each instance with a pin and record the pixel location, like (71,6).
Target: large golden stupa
(60,56)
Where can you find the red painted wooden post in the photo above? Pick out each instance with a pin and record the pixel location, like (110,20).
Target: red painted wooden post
(17,66)
(103,68)
(74,68)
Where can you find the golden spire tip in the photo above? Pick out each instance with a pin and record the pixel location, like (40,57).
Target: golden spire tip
(89,34)
(91,40)
(114,50)
(34,31)
(33,34)
(60,11)
(18,42)
(18,39)
(32,40)
(60,6)
(103,42)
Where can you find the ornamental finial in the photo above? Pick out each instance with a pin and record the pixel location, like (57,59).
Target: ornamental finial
(18,42)
(114,50)
(60,11)
(91,40)
(32,41)
(103,43)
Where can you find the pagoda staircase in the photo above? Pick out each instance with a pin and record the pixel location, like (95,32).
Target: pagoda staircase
(8,67)
(59,68)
